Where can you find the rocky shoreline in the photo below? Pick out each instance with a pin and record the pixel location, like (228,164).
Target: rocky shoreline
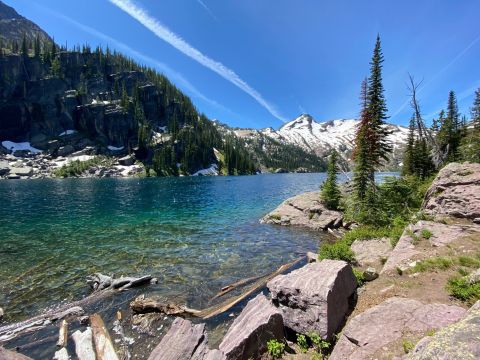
(400,313)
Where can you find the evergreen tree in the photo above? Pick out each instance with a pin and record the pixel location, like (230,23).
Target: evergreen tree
(377,109)
(37,48)
(125,100)
(330,193)
(449,135)
(408,157)
(470,144)
(475,111)
(24,46)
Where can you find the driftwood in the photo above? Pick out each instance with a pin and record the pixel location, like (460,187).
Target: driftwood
(84,344)
(124,342)
(63,334)
(144,305)
(98,282)
(228,288)
(11,331)
(103,344)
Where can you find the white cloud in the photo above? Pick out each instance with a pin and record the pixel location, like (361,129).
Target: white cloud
(210,12)
(181,45)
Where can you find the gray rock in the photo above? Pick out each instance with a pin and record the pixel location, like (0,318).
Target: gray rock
(474,277)
(371,331)
(186,341)
(311,257)
(13,177)
(306,210)
(53,145)
(11,355)
(21,153)
(370,274)
(1,313)
(455,192)
(371,251)
(4,169)
(258,323)
(456,341)
(315,297)
(126,160)
(23,171)
(65,150)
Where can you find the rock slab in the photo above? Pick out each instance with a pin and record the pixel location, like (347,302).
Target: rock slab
(306,210)
(11,355)
(258,323)
(455,192)
(186,341)
(457,341)
(315,297)
(371,251)
(386,323)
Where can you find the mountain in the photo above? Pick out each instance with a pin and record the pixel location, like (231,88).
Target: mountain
(321,137)
(14,27)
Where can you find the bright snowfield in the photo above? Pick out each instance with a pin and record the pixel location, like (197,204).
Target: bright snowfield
(311,135)
(68,132)
(114,148)
(211,171)
(10,145)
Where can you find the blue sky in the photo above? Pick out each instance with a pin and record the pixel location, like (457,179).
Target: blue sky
(258,63)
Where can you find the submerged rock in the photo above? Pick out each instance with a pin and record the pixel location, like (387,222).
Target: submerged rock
(315,297)
(456,341)
(455,192)
(386,323)
(305,210)
(258,323)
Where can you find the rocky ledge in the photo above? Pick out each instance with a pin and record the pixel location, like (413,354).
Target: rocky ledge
(306,210)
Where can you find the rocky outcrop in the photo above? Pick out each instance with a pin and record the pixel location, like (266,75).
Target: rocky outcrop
(455,192)
(306,210)
(315,297)
(456,341)
(406,252)
(186,341)
(371,251)
(371,331)
(247,338)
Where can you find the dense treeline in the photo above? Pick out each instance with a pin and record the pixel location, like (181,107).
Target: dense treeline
(169,135)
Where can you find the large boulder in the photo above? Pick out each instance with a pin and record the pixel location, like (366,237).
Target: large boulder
(306,210)
(22,171)
(315,297)
(371,331)
(185,341)
(371,251)
(127,160)
(258,323)
(455,192)
(456,341)
(65,150)
(4,168)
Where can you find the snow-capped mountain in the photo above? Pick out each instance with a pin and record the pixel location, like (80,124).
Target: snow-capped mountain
(322,137)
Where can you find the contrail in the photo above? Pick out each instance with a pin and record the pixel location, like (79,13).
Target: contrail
(210,12)
(164,68)
(181,45)
(445,68)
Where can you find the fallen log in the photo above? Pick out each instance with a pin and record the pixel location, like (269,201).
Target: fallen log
(103,344)
(63,334)
(102,285)
(228,288)
(145,305)
(84,344)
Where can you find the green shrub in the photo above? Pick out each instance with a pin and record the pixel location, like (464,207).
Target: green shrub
(275,217)
(460,288)
(360,278)
(77,167)
(469,261)
(320,345)
(302,342)
(339,250)
(407,345)
(426,234)
(275,348)
(437,263)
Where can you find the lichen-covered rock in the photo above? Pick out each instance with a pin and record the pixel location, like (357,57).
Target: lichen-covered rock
(371,251)
(370,274)
(438,234)
(386,323)
(258,323)
(185,341)
(456,341)
(306,210)
(315,297)
(455,192)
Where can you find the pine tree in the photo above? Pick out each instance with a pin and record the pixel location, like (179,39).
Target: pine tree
(125,100)
(24,46)
(408,157)
(475,111)
(449,135)
(377,109)
(330,193)
(37,48)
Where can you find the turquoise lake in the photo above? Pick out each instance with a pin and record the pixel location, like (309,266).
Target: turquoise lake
(195,234)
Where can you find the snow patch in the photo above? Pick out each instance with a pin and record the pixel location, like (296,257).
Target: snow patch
(13,146)
(114,148)
(211,171)
(68,132)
